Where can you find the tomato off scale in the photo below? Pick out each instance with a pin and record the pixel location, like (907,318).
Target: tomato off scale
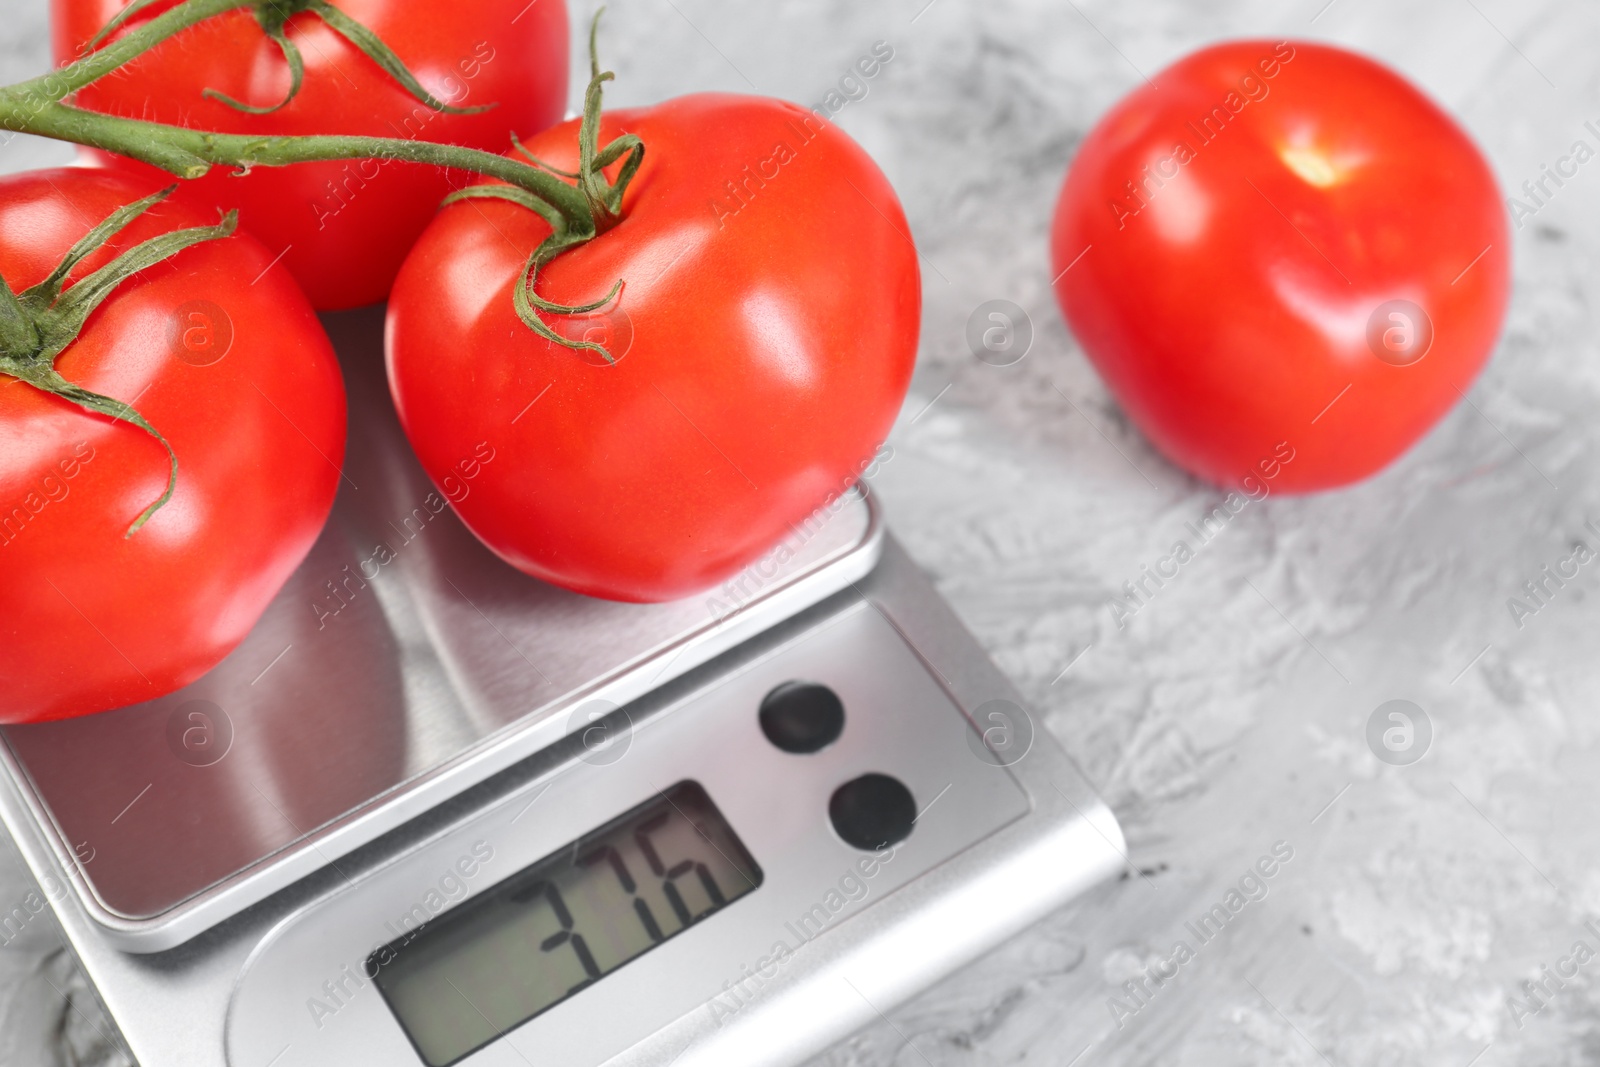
(1280,245)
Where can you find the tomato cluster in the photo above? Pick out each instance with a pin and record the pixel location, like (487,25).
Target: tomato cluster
(733,388)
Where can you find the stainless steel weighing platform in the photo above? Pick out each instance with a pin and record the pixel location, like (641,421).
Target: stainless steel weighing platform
(358,817)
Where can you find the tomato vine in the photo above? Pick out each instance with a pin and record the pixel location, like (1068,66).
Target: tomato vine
(38,324)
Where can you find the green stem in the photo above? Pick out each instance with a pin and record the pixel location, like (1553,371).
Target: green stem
(35,106)
(297,75)
(191,153)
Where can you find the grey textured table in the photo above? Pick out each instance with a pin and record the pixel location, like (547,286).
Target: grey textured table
(1231,714)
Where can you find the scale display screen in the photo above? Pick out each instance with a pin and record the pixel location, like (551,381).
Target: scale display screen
(523,946)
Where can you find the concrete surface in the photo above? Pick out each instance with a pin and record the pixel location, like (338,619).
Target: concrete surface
(1231,714)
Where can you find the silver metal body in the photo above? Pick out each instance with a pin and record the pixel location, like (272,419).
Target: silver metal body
(231,925)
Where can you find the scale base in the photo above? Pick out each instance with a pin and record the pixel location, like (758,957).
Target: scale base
(174,1008)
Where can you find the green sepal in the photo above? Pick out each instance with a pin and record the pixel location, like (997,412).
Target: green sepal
(17,331)
(297,74)
(39,297)
(273,17)
(117,20)
(44,378)
(38,326)
(604,197)
(536,161)
(523,298)
(381,54)
(520,197)
(60,324)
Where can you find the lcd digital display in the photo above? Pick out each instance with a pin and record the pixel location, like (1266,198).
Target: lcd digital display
(560,925)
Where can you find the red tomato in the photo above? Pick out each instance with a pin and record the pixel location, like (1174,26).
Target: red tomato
(343,227)
(222,354)
(765,336)
(1271,229)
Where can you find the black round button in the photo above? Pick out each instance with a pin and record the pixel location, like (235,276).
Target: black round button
(802,717)
(873,812)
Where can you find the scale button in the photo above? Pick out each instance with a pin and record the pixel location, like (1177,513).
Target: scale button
(802,717)
(873,812)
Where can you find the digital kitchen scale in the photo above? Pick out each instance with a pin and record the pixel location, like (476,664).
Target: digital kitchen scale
(435,812)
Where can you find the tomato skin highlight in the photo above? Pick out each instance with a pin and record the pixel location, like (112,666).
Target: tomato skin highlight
(773,299)
(1226,291)
(346,225)
(91,619)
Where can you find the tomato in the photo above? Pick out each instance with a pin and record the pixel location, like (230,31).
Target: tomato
(764,340)
(221,353)
(345,226)
(1286,250)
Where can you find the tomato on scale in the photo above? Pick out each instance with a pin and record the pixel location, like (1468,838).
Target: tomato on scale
(662,435)
(1282,249)
(681,353)
(172,422)
(381,68)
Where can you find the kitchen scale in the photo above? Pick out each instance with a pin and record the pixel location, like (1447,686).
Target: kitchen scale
(435,812)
